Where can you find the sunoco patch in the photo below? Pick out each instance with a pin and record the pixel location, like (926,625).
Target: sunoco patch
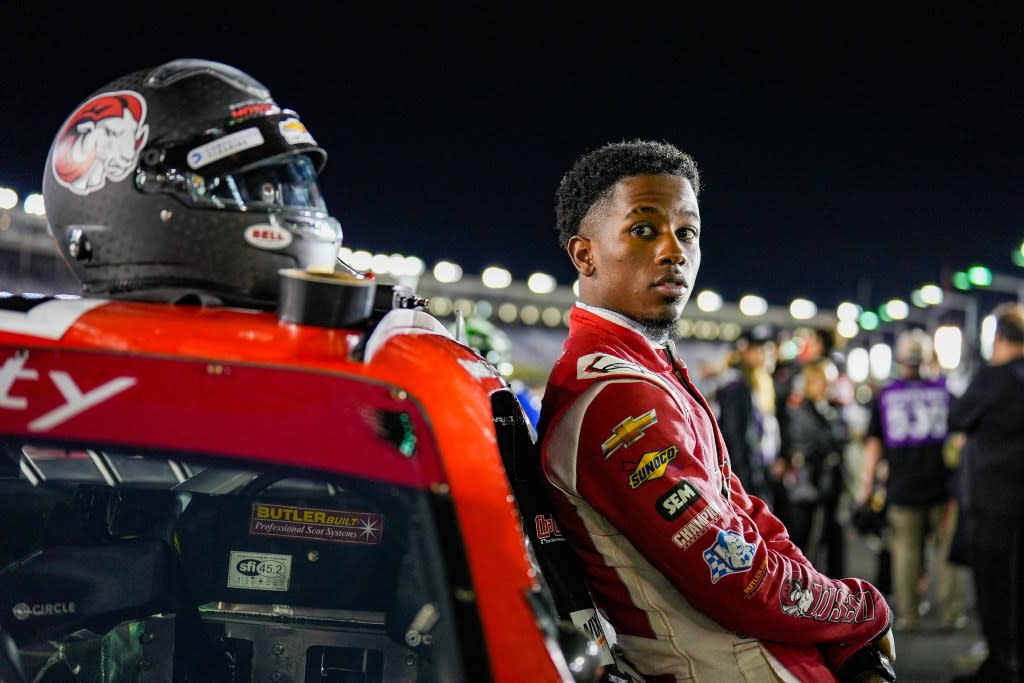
(337,526)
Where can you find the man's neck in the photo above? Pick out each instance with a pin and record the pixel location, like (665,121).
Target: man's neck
(658,334)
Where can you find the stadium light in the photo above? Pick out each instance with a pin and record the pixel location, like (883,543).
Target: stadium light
(979,276)
(8,198)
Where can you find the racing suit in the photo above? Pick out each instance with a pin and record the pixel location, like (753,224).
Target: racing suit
(699,581)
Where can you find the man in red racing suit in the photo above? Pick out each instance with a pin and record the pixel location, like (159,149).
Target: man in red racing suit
(698,580)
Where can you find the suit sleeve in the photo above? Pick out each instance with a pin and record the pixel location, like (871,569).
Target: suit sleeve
(722,550)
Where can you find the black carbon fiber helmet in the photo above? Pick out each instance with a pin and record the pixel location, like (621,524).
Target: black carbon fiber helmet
(187,177)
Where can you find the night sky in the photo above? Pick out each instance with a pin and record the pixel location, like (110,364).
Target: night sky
(846,157)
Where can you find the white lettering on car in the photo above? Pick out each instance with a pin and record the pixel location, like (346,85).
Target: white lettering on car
(75,400)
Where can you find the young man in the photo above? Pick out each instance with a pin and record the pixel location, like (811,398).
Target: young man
(699,580)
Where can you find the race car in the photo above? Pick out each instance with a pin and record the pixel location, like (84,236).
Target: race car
(335,490)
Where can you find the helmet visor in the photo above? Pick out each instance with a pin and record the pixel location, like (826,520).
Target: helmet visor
(282,182)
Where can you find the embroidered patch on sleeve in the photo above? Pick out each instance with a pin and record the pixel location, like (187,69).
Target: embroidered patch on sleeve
(729,554)
(652,465)
(628,432)
(677,500)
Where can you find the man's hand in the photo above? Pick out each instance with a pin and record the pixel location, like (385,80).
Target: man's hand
(872,664)
(887,644)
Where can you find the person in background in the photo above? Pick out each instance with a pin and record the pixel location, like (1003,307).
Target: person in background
(698,579)
(908,430)
(812,344)
(990,413)
(745,405)
(818,438)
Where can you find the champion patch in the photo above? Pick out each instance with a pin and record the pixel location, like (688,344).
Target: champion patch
(729,554)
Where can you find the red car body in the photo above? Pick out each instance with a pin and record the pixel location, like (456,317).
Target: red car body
(397,402)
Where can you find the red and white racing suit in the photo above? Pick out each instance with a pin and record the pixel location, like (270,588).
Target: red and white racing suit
(699,580)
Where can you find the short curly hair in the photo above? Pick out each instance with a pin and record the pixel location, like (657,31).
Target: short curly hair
(594,174)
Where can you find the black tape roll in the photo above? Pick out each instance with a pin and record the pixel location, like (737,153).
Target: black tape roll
(325,299)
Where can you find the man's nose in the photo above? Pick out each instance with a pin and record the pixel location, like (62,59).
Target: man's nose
(671,249)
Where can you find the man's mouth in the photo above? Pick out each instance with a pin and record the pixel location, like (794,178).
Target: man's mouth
(671,285)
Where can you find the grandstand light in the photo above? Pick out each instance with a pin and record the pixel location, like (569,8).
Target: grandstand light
(396,264)
(483,308)
(753,305)
(931,294)
(917,299)
(413,266)
(709,301)
(529,314)
(848,311)
(551,316)
(897,309)
(847,329)
(868,321)
(541,283)
(34,205)
(880,361)
(948,345)
(508,312)
(495,277)
(381,263)
(8,198)
(465,306)
(362,260)
(802,309)
(857,365)
(1017,255)
(447,272)
(979,276)
(730,331)
(440,306)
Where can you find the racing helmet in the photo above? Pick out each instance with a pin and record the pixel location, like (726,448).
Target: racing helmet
(187,178)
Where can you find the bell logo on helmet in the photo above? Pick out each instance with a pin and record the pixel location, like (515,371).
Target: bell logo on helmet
(100,141)
(267,236)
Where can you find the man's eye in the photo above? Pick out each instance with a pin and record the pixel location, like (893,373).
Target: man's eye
(642,230)
(687,234)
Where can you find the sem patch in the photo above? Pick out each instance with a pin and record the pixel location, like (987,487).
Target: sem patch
(677,500)
(628,432)
(729,554)
(336,526)
(652,466)
(259,571)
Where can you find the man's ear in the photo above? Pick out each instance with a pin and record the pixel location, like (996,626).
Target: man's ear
(581,255)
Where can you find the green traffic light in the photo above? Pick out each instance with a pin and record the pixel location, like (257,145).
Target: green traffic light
(961,281)
(979,276)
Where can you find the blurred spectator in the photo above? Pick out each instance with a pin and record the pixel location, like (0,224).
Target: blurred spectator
(991,415)
(808,345)
(745,402)
(818,437)
(908,430)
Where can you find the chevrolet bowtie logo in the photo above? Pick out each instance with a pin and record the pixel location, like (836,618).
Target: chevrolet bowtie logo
(628,431)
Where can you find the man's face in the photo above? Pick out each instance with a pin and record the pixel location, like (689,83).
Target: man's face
(638,254)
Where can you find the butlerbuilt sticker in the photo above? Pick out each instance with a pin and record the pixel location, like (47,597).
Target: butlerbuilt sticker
(314,524)
(259,571)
